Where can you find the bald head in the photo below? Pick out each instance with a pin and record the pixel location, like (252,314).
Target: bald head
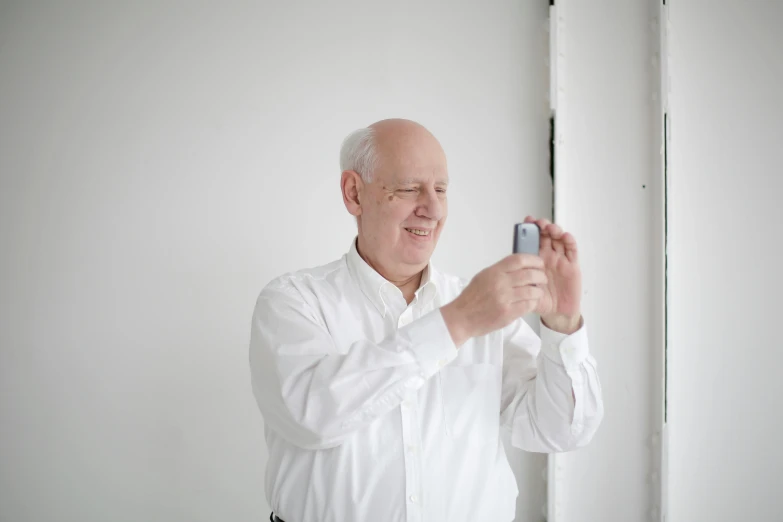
(387,141)
(398,130)
(401,143)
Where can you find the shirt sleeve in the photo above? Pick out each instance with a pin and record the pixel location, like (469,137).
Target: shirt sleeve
(551,396)
(316,396)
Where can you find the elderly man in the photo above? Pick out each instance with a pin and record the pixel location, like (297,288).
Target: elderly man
(384,383)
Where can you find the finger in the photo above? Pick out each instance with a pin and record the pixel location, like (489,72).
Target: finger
(515,262)
(521,261)
(528,276)
(530,219)
(543,224)
(545,242)
(527,293)
(511,262)
(557,246)
(571,252)
(555,231)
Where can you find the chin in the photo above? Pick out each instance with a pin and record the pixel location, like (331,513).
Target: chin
(418,258)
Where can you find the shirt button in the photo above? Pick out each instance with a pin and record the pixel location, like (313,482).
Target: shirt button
(406,404)
(414,498)
(442,363)
(411,448)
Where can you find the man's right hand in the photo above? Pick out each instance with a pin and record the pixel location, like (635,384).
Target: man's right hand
(495,297)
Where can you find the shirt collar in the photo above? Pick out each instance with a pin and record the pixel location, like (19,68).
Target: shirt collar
(374,285)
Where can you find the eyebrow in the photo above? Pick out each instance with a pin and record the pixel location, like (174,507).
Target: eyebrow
(414,181)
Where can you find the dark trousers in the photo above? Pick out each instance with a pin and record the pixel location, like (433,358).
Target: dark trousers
(273,518)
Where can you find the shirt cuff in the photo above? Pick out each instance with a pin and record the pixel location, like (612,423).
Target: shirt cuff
(568,350)
(431,343)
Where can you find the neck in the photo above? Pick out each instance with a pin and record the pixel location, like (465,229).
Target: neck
(408,284)
(409,287)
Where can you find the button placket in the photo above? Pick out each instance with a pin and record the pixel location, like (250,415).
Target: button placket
(412,457)
(410,433)
(405,318)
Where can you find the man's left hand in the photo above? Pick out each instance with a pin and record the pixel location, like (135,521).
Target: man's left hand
(559,307)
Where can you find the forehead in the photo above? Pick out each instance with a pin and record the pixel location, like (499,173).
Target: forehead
(413,162)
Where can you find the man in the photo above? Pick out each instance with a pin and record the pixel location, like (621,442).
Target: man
(383,383)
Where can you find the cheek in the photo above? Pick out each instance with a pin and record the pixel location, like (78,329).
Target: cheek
(396,211)
(444,212)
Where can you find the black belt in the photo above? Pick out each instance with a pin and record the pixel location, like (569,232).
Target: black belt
(275,518)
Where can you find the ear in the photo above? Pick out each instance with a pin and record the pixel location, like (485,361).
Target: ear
(352,187)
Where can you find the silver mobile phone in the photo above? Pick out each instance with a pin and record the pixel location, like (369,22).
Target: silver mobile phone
(527,238)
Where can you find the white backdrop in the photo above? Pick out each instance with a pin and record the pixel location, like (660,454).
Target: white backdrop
(610,194)
(160,162)
(725,282)
(725,358)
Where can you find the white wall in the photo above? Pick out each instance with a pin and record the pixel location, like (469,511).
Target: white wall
(609,193)
(725,394)
(724,280)
(160,162)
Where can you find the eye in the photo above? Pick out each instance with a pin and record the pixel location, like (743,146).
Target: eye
(407,190)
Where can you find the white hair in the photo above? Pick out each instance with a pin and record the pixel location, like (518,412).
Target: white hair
(358,153)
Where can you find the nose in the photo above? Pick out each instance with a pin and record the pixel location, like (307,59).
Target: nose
(431,206)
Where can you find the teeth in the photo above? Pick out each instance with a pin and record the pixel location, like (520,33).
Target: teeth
(418,231)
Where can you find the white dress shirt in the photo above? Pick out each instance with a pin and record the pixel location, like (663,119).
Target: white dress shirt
(372,414)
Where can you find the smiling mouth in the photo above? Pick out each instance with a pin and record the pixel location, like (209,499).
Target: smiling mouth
(419,231)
